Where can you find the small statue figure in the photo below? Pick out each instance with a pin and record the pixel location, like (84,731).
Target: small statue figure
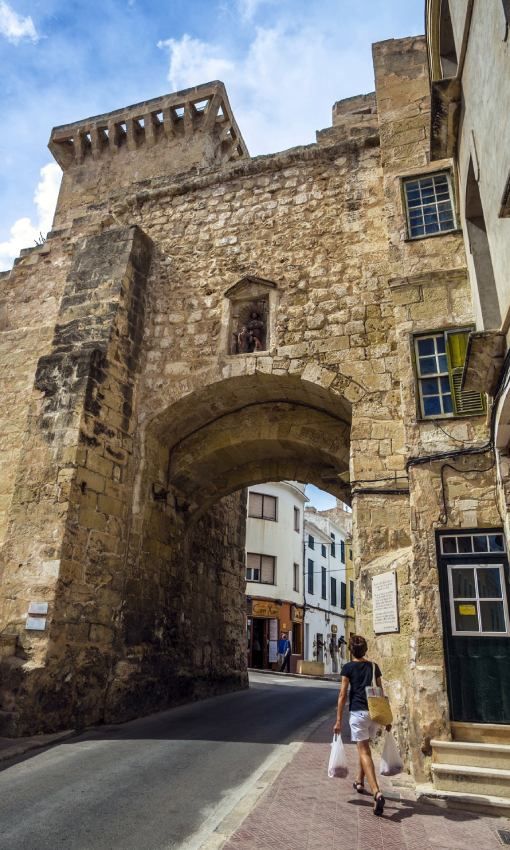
(257,330)
(244,340)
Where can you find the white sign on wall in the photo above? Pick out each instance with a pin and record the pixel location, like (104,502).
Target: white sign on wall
(385,603)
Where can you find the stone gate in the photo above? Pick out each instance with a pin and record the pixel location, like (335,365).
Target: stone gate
(138,402)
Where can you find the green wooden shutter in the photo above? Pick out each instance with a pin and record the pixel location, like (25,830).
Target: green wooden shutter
(465,402)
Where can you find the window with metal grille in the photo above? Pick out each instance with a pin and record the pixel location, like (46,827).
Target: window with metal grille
(429,205)
(262,506)
(440,361)
(297,520)
(324,586)
(296,576)
(343,595)
(334,598)
(260,568)
(311,542)
(310,576)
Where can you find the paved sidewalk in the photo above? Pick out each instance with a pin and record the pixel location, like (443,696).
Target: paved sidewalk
(304,810)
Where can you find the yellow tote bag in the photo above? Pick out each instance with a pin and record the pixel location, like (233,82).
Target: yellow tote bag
(378,705)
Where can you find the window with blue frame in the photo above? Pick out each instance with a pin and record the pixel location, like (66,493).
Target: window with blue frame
(429,205)
(440,359)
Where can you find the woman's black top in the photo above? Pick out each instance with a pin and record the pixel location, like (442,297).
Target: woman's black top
(359,674)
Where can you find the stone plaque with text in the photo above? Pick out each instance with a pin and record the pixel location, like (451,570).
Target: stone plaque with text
(385,603)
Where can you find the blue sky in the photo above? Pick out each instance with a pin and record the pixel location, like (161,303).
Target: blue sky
(284,62)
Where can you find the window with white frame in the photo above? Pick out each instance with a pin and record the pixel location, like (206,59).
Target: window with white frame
(260,568)
(296,577)
(478,599)
(440,359)
(262,506)
(297,520)
(429,205)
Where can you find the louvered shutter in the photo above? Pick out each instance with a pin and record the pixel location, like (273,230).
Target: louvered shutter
(267,564)
(466,402)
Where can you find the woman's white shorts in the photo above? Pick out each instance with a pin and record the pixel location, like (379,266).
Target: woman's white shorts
(362,727)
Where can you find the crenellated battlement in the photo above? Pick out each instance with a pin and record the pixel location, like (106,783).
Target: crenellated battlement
(167,135)
(202,109)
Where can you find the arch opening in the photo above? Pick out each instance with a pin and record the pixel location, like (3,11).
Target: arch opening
(447,49)
(184,613)
(481,255)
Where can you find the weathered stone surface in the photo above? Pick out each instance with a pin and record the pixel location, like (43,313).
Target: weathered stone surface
(140,428)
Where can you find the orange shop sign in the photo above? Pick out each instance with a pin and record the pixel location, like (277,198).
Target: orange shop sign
(260,608)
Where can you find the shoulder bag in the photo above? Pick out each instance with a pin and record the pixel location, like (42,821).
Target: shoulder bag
(378,705)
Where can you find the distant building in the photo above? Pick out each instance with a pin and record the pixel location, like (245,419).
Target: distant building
(274,571)
(326,589)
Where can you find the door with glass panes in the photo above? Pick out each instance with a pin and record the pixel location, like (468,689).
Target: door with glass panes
(474,586)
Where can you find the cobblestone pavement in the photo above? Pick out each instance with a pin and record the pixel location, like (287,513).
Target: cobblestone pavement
(304,810)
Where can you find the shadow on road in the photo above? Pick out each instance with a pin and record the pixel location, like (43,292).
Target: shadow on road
(266,714)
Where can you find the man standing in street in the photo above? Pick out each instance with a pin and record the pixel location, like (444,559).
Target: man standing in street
(284,651)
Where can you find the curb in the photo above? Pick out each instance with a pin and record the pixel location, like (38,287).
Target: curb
(231,822)
(10,749)
(329,677)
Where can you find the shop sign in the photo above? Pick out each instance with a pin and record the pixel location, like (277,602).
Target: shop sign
(261,608)
(334,629)
(297,614)
(385,605)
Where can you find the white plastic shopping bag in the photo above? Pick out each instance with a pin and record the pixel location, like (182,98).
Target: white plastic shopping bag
(391,763)
(337,766)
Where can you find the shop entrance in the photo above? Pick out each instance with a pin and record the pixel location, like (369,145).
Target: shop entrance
(474,585)
(263,635)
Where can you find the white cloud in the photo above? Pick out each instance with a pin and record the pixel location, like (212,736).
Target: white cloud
(249,8)
(23,232)
(192,59)
(14,27)
(279,90)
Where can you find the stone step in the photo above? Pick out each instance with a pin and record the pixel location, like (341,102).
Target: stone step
(481,733)
(483,803)
(471,754)
(486,781)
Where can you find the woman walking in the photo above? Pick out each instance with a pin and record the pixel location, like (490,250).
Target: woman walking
(358,675)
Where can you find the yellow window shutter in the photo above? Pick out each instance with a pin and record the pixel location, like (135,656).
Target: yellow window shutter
(466,402)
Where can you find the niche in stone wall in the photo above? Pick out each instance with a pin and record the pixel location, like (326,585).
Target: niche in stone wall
(251,312)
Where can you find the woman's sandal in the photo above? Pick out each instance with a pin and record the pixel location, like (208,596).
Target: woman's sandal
(359,787)
(379,803)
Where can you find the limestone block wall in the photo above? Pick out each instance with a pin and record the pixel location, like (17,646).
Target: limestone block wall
(151,427)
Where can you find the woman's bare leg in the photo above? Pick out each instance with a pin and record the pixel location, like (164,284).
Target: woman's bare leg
(360,776)
(367,765)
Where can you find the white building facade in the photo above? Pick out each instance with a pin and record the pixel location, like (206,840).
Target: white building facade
(274,571)
(325,588)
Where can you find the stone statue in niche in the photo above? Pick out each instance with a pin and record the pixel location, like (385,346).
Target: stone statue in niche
(250,334)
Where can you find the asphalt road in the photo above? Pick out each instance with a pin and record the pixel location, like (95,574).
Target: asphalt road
(159,783)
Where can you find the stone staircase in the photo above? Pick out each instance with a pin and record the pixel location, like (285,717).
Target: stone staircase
(473,770)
